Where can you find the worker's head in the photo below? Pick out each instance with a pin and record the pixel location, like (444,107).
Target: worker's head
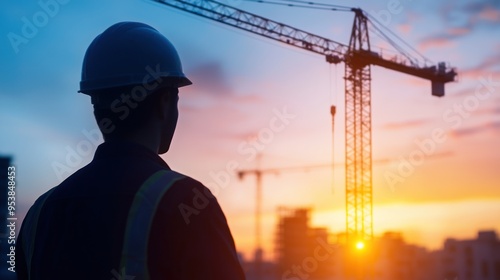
(132,74)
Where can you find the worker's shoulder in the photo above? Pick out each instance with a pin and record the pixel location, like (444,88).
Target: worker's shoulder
(186,187)
(35,209)
(41,199)
(188,196)
(109,177)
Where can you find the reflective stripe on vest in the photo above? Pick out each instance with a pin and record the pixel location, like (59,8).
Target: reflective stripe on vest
(139,221)
(30,225)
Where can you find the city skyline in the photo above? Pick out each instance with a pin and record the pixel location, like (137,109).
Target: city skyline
(305,251)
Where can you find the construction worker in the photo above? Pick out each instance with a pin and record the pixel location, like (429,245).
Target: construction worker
(127,215)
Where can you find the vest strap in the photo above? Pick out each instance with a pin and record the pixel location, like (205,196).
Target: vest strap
(140,219)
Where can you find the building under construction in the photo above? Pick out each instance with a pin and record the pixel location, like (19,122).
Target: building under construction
(302,251)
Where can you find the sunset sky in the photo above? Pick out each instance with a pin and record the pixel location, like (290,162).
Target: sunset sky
(240,82)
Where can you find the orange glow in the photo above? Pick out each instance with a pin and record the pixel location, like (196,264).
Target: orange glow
(360,245)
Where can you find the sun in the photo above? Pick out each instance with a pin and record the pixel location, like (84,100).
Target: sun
(360,245)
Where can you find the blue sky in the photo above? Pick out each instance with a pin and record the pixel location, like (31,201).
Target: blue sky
(240,79)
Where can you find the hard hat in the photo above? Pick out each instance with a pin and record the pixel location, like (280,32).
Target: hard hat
(130,53)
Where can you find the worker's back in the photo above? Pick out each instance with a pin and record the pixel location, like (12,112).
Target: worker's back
(81,226)
(126,215)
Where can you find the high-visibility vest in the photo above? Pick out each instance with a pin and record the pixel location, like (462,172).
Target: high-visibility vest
(134,257)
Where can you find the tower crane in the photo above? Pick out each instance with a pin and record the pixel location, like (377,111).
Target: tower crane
(358,57)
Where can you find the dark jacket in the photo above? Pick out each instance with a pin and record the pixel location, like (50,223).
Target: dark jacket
(80,230)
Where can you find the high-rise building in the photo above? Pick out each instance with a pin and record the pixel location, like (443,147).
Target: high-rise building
(302,252)
(476,259)
(395,259)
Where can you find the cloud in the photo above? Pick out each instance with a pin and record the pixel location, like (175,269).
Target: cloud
(436,42)
(485,67)
(462,20)
(211,87)
(458,31)
(241,136)
(215,115)
(481,6)
(406,124)
(464,92)
(496,110)
(404,28)
(493,126)
(210,77)
(213,107)
(489,111)
(489,15)
(471,14)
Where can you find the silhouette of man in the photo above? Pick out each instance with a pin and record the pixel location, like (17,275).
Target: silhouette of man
(127,215)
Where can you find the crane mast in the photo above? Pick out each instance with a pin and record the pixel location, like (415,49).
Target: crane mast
(358,135)
(358,58)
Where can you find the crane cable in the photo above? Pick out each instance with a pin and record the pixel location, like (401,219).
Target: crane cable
(374,20)
(333,111)
(309,6)
(320,4)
